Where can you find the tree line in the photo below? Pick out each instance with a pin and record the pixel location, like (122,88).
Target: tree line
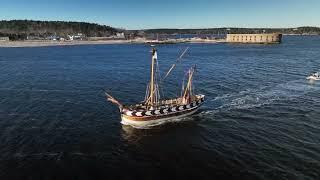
(21,29)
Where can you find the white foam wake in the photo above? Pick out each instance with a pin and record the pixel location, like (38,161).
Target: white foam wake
(253,98)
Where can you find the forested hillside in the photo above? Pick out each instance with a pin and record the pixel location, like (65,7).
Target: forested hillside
(20,29)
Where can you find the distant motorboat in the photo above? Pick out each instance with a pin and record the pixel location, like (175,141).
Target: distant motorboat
(314,76)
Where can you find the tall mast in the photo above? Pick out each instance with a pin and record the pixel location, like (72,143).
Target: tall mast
(152,98)
(188,90)
(154,57)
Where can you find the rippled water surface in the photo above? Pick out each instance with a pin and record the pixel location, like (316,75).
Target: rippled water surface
(261,118)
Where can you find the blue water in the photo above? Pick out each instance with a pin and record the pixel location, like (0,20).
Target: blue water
(261,118)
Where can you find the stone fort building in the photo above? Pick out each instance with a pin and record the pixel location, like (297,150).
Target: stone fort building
(254,38)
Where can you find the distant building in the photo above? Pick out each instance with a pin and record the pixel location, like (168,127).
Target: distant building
(30,37)
(254,38)
(53,37)
(78,36)
(4,38)
(120,35)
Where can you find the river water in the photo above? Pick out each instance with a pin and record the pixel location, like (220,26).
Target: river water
(261,118)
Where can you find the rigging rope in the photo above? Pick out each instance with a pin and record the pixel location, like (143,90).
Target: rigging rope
(156,90)
(173,65)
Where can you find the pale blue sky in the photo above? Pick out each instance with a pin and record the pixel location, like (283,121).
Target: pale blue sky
(141,14)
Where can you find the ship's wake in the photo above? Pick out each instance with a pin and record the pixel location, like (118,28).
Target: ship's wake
(254,98)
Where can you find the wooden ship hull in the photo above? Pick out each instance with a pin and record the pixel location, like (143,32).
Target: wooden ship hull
(161,115)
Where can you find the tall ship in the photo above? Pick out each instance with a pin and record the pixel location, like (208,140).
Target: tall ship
(154,110)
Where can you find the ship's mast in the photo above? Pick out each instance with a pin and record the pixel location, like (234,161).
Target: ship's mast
(152,94)
(186,98)
(154,57)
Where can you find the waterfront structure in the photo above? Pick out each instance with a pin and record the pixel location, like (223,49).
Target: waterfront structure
(254,38)
(120,35)
(4,38)
(31,37)
(78,36)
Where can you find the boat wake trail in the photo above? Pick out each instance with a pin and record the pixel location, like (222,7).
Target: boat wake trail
(253,98)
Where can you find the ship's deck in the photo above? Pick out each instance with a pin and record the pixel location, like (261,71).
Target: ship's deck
(163,103)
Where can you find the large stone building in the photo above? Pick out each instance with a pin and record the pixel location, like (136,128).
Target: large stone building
(254,38)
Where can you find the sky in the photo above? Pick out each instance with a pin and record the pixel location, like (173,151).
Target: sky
(146,14)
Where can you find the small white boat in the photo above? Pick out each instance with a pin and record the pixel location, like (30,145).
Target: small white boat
(314,76)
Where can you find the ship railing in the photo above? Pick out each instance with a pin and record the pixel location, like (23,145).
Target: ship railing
(177,101)
(162,104)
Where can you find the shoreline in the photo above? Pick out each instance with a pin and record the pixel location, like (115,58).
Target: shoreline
(43,43)
(12,44)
